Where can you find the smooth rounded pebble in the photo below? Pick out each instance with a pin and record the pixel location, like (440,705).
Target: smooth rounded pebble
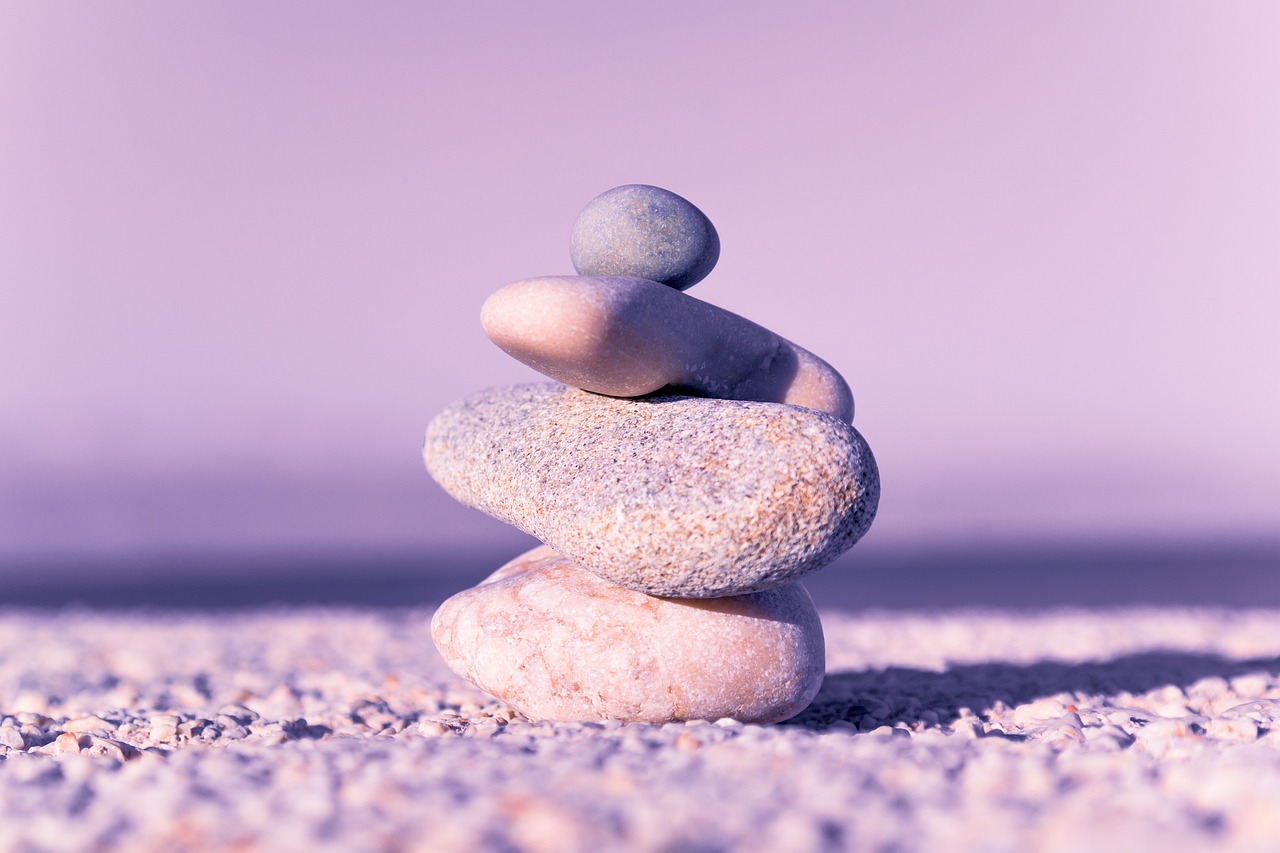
(676,496)
(558,643)
(647,232)
(627,337)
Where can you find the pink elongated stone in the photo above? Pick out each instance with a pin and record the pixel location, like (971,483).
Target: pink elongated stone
(558,643)
(627,337)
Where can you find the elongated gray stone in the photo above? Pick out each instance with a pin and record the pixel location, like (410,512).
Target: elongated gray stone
(558,643)
(673,496)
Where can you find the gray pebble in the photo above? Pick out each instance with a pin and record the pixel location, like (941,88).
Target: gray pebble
(646,232)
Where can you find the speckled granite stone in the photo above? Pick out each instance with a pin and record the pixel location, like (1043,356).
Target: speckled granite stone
(644,231)
(675,496)
(558,643)
(626,337)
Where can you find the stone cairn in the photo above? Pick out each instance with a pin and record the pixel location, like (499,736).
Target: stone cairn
(690,467)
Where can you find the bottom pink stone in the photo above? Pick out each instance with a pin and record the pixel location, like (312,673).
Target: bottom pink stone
(559,643)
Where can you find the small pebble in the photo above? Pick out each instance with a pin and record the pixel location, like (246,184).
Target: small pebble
(889,732)
(90,724)
(686,742)
(1232,729)
(66,743)
(11,737)
(103,747)
(646,232)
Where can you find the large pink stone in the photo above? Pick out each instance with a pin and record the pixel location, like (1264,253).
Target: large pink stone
(558,643)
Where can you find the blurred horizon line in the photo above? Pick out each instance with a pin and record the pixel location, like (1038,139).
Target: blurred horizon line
(1008,573)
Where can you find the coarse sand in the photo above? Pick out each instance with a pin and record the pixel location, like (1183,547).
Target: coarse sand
(331,729)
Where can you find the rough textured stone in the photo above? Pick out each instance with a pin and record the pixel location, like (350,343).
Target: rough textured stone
(644,231)
(626,337)
(676,496)
(558,643)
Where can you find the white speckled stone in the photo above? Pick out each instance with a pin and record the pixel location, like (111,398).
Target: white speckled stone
(676,496)
(647,232)
(558,643)
(627,337)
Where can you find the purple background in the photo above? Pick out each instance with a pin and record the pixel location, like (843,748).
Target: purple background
(243,248)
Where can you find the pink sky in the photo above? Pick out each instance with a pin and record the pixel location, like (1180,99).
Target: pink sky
(243,248)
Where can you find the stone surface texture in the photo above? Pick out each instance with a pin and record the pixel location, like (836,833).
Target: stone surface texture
(556,642)
(672,496)
(647,232)
(627,337)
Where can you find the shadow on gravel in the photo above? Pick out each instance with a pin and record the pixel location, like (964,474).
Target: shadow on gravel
(899,694)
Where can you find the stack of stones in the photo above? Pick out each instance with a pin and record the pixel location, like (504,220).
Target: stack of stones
(686,468)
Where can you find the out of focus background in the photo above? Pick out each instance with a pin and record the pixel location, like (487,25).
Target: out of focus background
(243,249)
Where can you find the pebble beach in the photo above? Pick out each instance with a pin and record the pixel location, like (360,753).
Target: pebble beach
(663,427)
(342,729)
(655,675)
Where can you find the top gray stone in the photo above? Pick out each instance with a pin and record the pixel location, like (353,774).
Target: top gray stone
(670,496)
(646,232)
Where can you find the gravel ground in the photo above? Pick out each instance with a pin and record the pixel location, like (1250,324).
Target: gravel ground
(326,729)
